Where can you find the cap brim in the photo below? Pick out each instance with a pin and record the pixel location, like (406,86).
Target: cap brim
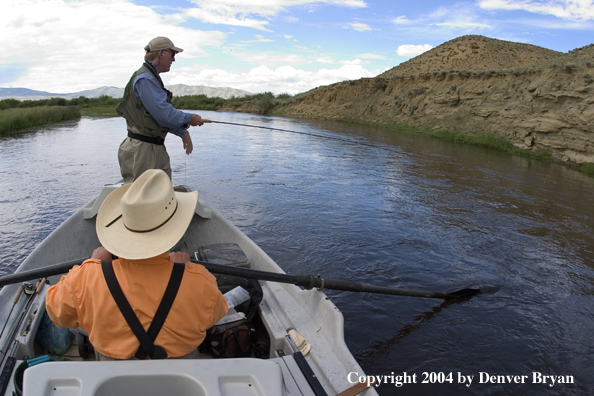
(122,242)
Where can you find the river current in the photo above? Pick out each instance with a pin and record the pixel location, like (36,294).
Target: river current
(377,207)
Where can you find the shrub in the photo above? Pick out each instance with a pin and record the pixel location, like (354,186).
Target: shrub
(8,103)
(266,102)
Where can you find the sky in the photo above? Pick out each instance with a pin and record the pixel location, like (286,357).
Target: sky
(281,46)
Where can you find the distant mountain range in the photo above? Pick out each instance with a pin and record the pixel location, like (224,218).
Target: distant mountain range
(177,89)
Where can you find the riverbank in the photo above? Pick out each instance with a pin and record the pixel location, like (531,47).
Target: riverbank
(486,140)
(20,116)
(15,120)
(539,100)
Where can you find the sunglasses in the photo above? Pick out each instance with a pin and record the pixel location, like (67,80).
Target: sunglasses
(173,53)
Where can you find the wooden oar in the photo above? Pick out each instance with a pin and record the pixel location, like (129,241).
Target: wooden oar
(44,272)
(307,281)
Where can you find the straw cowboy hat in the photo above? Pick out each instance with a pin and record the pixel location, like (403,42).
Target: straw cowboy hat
(146,218)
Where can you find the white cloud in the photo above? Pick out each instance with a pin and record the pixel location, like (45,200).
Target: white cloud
(268,59)
(349,3)
(360,27)
(371,56)
(457,18)
(225,16)
(67,46)
(235,12)
(412,50)
(262,39)
(302,48)
(353,62)
(565,9)
(462,24)
(259,39)
(324,59)
(282,79)
(401,20)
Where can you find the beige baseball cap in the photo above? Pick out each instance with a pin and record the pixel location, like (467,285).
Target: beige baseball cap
(161,43)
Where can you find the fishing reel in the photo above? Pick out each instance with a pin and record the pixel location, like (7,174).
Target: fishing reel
(29,288)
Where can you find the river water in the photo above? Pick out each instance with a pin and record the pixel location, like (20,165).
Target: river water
(388,209)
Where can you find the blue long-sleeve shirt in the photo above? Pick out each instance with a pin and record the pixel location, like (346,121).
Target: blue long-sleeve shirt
(154,100)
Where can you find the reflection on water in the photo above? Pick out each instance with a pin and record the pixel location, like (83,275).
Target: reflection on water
(411,212)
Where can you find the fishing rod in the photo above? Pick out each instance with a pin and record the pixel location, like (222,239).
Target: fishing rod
(287,130)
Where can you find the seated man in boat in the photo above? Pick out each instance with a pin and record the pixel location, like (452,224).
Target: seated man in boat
(139,223)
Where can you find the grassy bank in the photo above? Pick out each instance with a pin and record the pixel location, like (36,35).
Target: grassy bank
(103,106)
(264,102)
(486,140)
(17,119)
(16,115)
(489,141)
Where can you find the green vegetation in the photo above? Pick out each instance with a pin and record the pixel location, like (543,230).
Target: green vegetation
(13,120)
(16,115)
(262,102)
(485,140)
(585,168)
(13,103)
(197,102)
(103,106)
(490,141)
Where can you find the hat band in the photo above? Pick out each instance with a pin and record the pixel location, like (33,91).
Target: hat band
(157,227)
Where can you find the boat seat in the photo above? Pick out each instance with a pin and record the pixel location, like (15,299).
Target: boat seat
(223,377)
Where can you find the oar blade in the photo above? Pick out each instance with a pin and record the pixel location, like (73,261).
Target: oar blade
(462,294)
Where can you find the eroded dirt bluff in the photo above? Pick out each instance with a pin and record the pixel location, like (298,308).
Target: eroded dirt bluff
(543,106)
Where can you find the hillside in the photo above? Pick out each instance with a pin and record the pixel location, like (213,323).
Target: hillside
(538,99)
(473,53)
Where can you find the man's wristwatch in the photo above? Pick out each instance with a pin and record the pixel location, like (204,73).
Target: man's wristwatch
(186,126)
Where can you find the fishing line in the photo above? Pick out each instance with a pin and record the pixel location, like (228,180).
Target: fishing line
(289,131)
(193,170)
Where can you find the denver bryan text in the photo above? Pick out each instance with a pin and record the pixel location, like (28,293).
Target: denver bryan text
(537,378)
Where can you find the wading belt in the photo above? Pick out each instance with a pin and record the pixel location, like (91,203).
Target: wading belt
(146,338)
(147,139)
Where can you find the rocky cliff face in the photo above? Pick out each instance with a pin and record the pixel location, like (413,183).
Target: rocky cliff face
(546,105)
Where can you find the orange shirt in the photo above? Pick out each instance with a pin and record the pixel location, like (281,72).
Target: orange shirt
(82,299)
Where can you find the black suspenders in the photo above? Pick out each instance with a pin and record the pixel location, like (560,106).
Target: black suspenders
(146,338)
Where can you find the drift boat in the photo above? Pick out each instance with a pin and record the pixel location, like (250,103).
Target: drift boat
(328,369)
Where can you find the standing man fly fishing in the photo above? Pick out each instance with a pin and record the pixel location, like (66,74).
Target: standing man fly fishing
(149,114)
